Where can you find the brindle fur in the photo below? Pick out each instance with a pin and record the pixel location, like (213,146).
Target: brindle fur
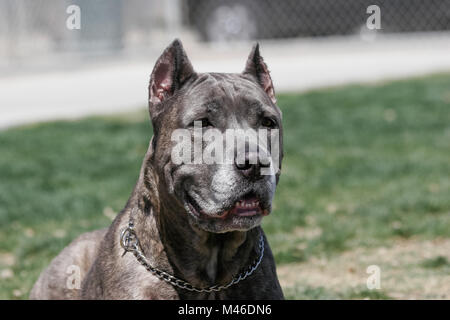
(169,238)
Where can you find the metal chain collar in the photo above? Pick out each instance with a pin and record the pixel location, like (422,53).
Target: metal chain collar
(130,243)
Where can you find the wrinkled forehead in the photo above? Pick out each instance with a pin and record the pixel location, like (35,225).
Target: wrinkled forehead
(232,90)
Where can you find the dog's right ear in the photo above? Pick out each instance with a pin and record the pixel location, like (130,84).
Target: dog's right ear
(171,71)
(258,69)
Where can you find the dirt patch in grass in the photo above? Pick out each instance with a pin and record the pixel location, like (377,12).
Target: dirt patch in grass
(409,269)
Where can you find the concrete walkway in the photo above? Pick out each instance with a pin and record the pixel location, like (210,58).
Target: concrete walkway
(297,65)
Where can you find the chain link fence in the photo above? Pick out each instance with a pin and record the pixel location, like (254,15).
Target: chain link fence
(34,28)
(217,20)
(30,28)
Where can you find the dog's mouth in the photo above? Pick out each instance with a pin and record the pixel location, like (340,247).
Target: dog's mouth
(247,206)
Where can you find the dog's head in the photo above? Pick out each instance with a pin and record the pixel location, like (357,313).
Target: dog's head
(217,196)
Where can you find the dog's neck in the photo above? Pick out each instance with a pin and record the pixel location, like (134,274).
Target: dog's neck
(202,258)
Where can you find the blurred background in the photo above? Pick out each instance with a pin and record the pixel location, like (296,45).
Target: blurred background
(327,42)
(365,96)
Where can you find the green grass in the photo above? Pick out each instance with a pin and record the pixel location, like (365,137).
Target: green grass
(363,165)
(435,263)
(320,293)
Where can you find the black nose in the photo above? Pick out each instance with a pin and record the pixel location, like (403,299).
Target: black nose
(250,166)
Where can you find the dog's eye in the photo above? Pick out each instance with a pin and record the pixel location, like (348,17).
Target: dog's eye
(267,122)
(205,122)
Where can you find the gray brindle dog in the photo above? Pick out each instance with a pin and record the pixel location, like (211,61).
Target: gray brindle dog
(188,231)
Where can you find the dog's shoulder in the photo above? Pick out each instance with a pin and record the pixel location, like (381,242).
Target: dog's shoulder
(63,277)
(115,275)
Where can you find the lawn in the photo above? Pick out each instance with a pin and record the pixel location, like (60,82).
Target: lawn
(365,180)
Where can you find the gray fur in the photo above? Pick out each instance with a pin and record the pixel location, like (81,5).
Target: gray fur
(202,250)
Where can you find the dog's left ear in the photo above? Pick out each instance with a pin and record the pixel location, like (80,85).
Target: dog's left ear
(171,71)
(257,68)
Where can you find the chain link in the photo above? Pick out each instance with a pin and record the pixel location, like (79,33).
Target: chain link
(130,243)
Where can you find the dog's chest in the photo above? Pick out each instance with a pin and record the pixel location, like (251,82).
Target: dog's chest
(211,266)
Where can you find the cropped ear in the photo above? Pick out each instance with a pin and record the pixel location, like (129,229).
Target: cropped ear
(171,71)
(257,68)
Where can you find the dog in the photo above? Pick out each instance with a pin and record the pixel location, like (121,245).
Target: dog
(188,231)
